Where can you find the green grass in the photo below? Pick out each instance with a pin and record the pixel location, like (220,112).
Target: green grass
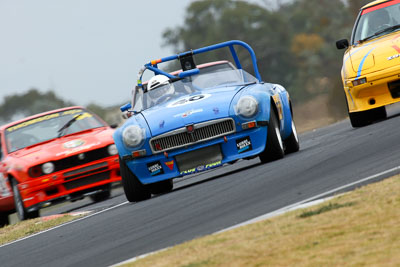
(354,229)
(25,228)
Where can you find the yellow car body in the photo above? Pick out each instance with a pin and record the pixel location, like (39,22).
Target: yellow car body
(371,62)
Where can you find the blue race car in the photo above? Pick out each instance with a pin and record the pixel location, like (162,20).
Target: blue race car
(200,118)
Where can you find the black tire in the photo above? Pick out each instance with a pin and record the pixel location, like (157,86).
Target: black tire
(364,118)
(292,142)
(4,219)
(22,213)
(103,195)
(134,190)
(274,147)
(162,187)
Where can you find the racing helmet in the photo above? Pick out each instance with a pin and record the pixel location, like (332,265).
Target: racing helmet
(159,85)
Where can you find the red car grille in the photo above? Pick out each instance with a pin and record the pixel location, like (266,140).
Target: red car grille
(91,179)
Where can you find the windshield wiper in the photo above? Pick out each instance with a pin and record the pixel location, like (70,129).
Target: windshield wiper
(389,29)
(66,126)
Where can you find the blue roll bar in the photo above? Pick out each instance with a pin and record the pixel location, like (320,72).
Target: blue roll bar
(153,64)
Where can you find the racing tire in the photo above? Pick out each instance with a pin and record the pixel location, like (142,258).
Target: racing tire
(103,195)
(274,147)
(364,118)
(22,213)
(292,142)
(162,187)
(134,190)
(4,219)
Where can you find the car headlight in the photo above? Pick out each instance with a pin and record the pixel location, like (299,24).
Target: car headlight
(48,167)
(247,106)
(133,135)
(112,150)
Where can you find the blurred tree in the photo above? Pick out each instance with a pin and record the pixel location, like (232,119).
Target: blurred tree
(33,102)
(294,41)
(212,21)
(30,103)
(355,5)
(112,115)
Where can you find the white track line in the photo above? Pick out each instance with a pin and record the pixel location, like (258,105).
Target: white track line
(58,226)
(301,204)
(262,217)
(298,204)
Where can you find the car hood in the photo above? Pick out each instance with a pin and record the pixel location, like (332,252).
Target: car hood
(65,146)
(375,55)
(189,109)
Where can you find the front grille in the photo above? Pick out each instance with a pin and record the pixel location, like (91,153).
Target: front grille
(202,132)
(83,170)
(74,161)
(87,180)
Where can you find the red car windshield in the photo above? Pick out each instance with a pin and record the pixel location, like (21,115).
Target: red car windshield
(48,127)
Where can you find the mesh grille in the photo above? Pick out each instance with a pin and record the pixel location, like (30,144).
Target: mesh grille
(202,132)
(87,180)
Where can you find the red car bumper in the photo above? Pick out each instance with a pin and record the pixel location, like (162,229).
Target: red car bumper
(69,183)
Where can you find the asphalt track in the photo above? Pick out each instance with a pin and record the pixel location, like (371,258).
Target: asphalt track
(203,204)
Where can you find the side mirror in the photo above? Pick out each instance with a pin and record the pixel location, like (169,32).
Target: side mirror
(125,107)
(114,125)
(342,44)
(188,73)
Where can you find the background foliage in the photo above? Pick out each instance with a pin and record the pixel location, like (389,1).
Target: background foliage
(294,42)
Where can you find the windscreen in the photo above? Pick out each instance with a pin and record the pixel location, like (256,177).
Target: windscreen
(377,20)
(47,127)
(197,83)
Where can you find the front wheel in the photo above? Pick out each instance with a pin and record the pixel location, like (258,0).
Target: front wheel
(22,213)
(3,219)
(103,195)
(274,146)
(292,142)
(364,118)
(133,188)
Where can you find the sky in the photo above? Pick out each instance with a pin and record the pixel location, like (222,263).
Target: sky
(86,51)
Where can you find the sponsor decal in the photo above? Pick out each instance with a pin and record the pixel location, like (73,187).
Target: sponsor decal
(202,168)
(393,57)
(73,143)
(155,168)
(76,149)
(188,100)
(45,118)
(170,164)
(279,106)
(243,144)
(188,113)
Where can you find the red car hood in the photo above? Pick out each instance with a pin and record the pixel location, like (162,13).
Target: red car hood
(66,146)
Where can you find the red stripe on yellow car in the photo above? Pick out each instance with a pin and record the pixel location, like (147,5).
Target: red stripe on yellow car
(396,48)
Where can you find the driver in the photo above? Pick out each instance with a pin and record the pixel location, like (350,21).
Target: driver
(160,88)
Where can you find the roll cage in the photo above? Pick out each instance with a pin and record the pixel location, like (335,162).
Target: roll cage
(189,68)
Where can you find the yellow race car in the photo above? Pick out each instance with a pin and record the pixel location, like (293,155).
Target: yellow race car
(371,62)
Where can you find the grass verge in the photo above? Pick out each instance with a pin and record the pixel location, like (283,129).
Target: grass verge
(357,228)
(25,228)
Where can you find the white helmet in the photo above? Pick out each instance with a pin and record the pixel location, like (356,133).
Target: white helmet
(162,84)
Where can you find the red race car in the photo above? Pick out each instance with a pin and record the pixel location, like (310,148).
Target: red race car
(60,155)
